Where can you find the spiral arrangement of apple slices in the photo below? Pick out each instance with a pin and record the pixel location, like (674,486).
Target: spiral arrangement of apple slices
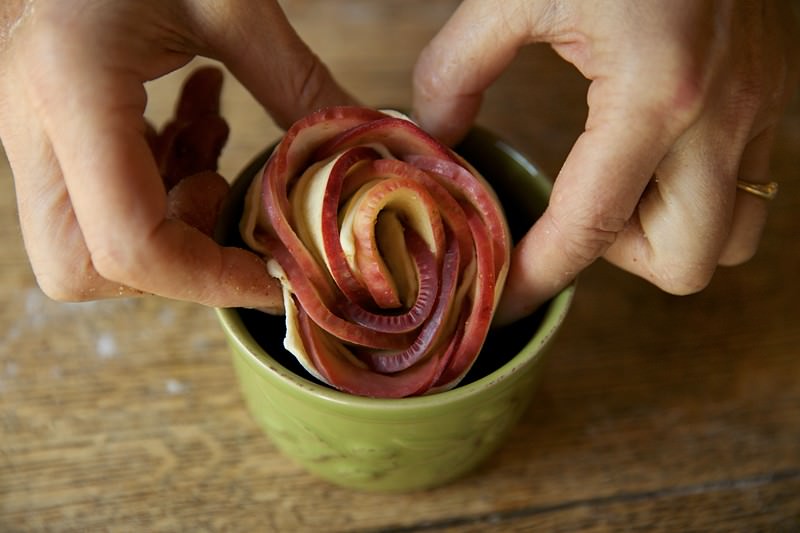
(391,249)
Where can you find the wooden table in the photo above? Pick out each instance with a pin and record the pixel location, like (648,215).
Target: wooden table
(656,412)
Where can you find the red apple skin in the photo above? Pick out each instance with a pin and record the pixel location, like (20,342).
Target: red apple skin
(431,331)
(355,329)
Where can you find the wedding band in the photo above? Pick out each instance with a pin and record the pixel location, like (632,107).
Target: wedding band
(767,191)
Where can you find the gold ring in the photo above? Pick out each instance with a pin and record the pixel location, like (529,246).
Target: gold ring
(767,191)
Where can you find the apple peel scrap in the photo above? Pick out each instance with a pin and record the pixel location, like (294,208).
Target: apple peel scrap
(392,251)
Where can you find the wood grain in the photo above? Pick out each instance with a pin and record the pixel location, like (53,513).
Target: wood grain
(657,413)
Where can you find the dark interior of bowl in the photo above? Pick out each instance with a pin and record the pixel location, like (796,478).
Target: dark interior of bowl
(522,201)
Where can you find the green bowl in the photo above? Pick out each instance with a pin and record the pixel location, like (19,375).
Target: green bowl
(410,443)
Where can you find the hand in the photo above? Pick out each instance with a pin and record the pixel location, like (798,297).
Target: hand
(684,98)
(95,215)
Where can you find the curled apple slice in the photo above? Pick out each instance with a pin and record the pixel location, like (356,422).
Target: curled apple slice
(392,251)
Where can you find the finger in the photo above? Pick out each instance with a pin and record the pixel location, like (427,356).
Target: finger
(116,190)
(53,241)
(259,46)
(750,212)
(470,51)
(594,196)
(684,217)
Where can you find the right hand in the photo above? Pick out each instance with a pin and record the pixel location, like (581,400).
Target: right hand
(684,99)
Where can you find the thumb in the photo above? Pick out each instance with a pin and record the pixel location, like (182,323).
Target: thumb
(261,49)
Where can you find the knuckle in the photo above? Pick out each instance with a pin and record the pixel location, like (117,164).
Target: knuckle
(587,237)
(688,93)
(117,262)
(309,83)
(65,285)
(58,288)
(680,103)
(586,246)
(734,256)
(424,84)
(681,95)
(432,74)
(748,95)
(683,278)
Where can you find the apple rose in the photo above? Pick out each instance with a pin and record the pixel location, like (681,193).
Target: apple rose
(392,251)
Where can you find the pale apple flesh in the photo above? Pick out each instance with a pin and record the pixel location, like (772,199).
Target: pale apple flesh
(392,251)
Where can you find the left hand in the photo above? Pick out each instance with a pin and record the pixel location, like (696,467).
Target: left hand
(96,217)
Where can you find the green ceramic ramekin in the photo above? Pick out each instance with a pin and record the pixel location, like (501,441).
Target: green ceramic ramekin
(411,443)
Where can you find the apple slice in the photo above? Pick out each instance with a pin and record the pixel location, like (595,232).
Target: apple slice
(391,250)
